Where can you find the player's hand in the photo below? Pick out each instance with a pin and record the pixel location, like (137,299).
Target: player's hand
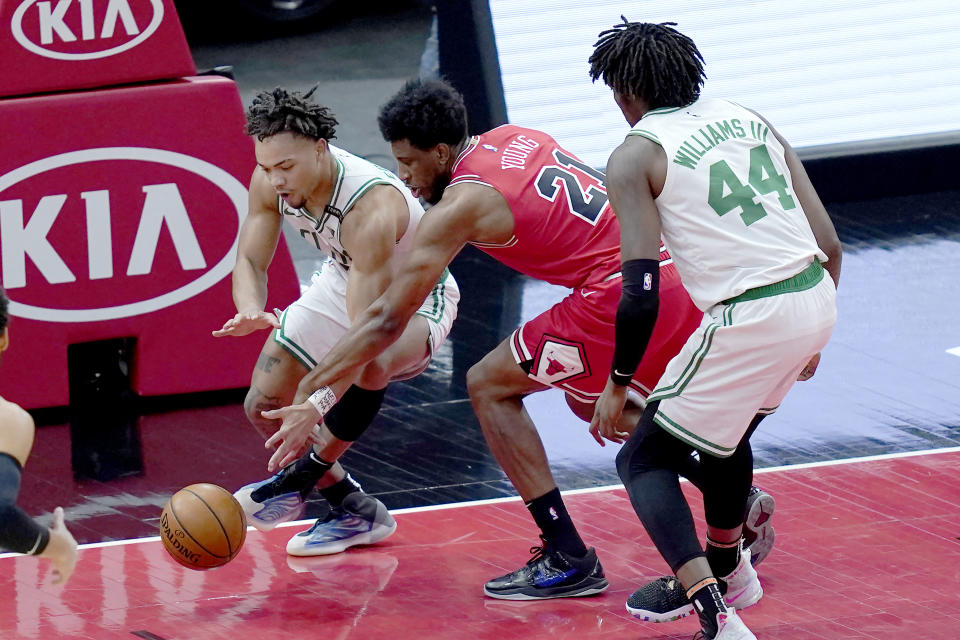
(246,323)
(61,549)
(810,369)
(606,415)
(291,438)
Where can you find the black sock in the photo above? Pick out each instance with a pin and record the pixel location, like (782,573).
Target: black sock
(707,602)
(300,475)
(723,556)
(551,516)
(337,492)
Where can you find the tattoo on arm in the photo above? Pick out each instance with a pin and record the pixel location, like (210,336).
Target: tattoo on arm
(265,362)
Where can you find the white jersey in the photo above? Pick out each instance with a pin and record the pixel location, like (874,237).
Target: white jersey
(730,218)
(355,176)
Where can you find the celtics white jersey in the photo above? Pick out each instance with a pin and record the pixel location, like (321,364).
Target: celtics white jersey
(354,177)
(730,217)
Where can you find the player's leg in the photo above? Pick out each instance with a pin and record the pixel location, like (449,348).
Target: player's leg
(649,465)
(273,384)
(309,328)
(751,360)
(497,385)
(355,517)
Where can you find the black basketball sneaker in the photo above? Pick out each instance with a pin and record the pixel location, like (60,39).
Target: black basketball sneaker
(550,573)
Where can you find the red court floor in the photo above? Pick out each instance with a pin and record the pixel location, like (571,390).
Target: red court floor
(865,549)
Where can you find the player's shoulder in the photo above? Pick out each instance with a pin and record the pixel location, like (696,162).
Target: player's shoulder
(16,430)
(263,197)
(510,133)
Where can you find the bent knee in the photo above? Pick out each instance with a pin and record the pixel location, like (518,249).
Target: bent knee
(632,459)
(376,374)
(253,405)
(480,382)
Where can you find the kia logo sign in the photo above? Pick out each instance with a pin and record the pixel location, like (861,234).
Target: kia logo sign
(135,217)
(84,29)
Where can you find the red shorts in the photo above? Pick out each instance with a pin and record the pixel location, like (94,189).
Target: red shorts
(571,344)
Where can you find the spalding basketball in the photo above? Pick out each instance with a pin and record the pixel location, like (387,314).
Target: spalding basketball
(203,526)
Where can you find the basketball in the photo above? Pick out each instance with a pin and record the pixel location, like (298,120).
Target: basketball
(203,526)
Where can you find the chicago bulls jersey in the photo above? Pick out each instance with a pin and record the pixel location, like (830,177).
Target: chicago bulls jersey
(564,229)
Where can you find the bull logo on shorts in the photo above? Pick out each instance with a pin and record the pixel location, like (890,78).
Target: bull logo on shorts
(559,361)
(554,366)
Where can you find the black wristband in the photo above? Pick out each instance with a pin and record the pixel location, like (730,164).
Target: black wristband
(18,531)
(636,316)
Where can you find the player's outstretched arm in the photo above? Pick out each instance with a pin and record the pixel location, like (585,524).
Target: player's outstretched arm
(369,235)
(635,171)
(441,234)
(61,549)
(18,531)
(259,236)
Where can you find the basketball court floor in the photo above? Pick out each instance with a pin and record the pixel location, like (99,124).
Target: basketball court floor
(862,460)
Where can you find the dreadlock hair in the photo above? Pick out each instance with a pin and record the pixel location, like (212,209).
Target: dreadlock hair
(279,111)
(425,112)
(3,309)
(654,62)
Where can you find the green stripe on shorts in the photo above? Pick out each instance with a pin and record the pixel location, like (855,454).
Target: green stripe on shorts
(439,300)
(696,360)
(691,438)
(291,347)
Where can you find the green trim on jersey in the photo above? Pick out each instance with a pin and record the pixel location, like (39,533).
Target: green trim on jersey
(291,347)
(435,314)
(696,360)
(341,174)
(690,438)
(359,193)
(662,110)
(806,279)
(649,135)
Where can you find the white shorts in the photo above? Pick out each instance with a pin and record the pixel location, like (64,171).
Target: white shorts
(318,319)
(741,361)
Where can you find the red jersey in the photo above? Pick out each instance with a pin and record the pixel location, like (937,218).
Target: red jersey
(565,232)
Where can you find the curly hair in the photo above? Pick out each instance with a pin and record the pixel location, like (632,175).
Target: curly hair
(4,303)
(654,62)
(425,112)
(279,111)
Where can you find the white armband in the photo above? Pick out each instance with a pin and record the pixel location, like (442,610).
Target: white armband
(323,400)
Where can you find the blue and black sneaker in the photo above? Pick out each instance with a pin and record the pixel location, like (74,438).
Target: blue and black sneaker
(277,499)
(550,573)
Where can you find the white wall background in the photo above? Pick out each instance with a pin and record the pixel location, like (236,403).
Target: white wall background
(849,74)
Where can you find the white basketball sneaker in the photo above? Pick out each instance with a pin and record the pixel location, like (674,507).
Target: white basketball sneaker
(743,586)
(758,533)
(729,627)
(361,519)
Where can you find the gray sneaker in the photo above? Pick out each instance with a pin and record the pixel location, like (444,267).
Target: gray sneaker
(361,519)
(758,533)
